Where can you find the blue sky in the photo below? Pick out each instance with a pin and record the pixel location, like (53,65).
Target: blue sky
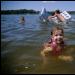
(38,5)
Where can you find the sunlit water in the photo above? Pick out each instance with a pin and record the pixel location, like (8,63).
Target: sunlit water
(21,45)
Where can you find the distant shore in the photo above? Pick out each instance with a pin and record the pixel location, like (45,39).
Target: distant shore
(25,11)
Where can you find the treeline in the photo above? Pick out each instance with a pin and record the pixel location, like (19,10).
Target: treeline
(20,11)
(25,11)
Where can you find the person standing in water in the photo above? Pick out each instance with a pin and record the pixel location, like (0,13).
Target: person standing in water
(22,20)
(57,14)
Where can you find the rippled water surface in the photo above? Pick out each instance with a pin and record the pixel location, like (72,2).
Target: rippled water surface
(21,45)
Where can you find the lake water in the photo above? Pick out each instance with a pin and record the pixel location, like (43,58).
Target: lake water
(21,45)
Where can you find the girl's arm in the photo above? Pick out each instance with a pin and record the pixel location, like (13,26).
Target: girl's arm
(51,17)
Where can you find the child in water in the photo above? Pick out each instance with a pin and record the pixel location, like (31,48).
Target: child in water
(56,45)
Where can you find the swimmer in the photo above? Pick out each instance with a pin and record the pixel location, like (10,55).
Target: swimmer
(22,20)
(56,45)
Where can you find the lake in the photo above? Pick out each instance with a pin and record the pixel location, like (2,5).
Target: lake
(21,45)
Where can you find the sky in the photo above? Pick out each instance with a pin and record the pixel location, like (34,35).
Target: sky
(38,5)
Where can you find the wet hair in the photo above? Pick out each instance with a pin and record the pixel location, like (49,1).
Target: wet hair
(53,13)
(56,28)
(58,11)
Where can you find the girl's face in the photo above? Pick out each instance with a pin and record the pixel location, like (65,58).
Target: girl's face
(58,36)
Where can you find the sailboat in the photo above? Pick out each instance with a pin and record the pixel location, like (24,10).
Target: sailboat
(44,15)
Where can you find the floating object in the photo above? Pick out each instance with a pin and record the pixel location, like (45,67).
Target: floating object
(26,67)
(43,11)
(66,15)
